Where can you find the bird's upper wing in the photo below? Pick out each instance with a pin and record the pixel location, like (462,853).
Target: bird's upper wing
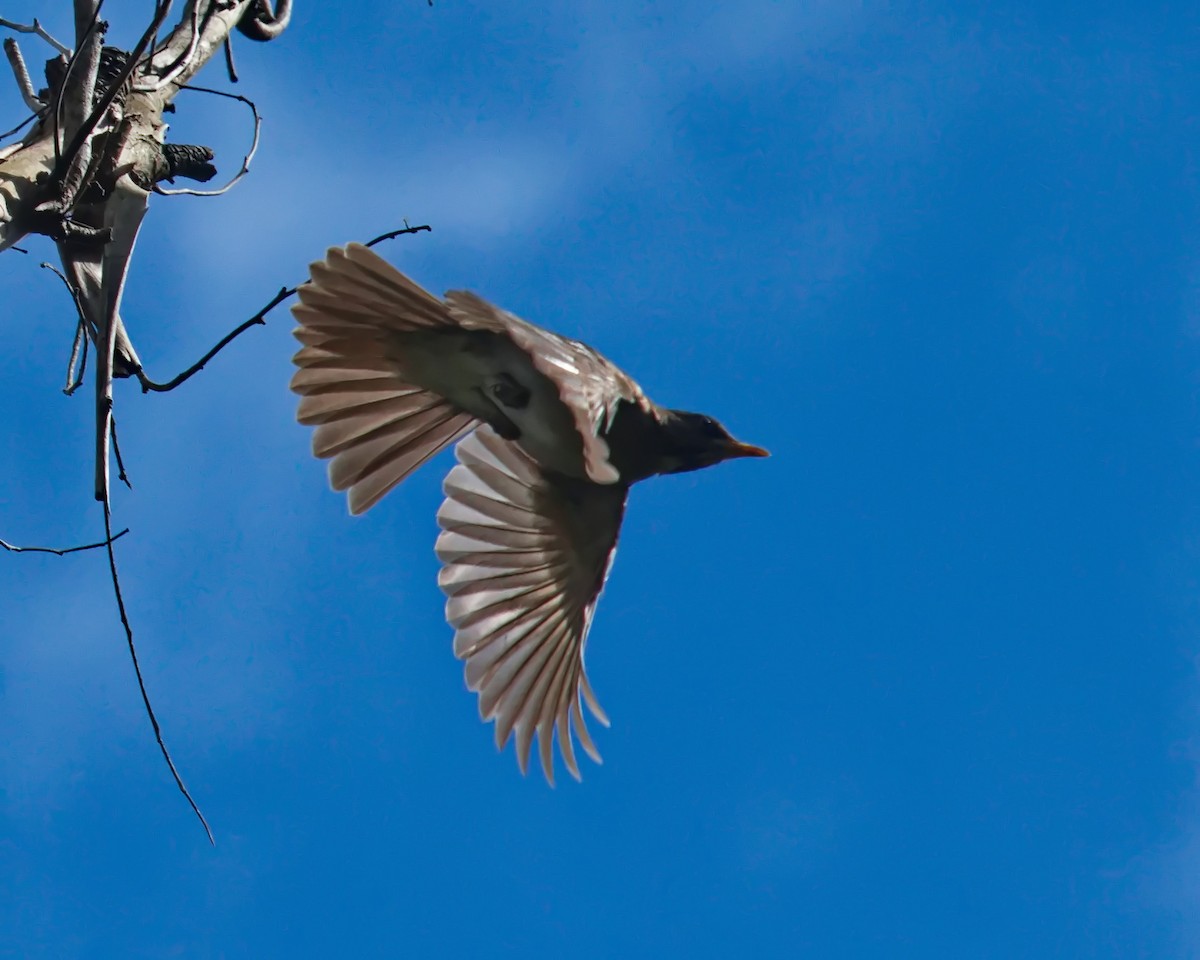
(358,315)
(377,427)
(587,383)
(525,556)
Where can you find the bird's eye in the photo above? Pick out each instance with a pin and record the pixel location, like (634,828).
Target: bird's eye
(710,428)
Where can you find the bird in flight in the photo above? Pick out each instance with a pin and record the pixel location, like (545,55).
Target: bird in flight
(552,437)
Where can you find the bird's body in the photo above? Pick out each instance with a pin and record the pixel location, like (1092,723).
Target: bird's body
(555,435)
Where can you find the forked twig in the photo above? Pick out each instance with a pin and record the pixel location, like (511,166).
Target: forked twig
(63,552)
(258,319)
(36,28)
(187,191)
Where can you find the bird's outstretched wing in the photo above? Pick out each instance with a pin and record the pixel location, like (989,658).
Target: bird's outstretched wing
(377,427)
(525,556)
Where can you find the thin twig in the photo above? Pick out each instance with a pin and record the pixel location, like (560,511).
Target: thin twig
(18,128)
(187,191)
(116,582)
(112,426)
(36,28)
(61,553)
(230,66)
(73,383)
(184,60)
(258,319)
(79,346)
(423,228)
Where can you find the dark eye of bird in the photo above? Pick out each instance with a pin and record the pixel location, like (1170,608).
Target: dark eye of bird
(710,428)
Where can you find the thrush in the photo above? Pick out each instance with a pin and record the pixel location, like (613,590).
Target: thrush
(552,437)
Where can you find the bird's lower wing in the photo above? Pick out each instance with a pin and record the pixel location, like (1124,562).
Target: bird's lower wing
(525,556)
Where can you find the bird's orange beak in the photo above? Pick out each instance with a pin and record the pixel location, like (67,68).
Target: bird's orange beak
(736,448)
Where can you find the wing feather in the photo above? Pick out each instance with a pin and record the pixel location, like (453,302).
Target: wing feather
(525,555)
(525,551)
(374,426)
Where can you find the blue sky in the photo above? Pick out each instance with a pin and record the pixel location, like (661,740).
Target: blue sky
(921,685)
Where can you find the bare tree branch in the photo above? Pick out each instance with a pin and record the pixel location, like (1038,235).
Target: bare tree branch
(83,173)
(74,382)
(116,582)
(117,86)
(65,550)
(189,192)
(391,235)
(35,28)
(215,26)
(21,74)
(73,167)
(184,60)
(75,91)
(78,359)
(121,475)
(258,319)
(230,66)
(263,21)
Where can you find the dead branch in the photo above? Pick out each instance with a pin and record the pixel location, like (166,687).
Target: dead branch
(71,109)
(83,173)
(391,235)
(230,66)
(100,110)
(35,28)
(263,22)
(21,75)
(78,359)
(74,382)
(121,475)
(65,550)
(187,191)
(175,69)
(259,319)
(188,160)
(137,669)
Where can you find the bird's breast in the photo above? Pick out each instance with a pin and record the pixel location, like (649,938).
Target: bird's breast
(493,379)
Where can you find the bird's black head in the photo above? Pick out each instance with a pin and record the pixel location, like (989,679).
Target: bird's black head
(693,441)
